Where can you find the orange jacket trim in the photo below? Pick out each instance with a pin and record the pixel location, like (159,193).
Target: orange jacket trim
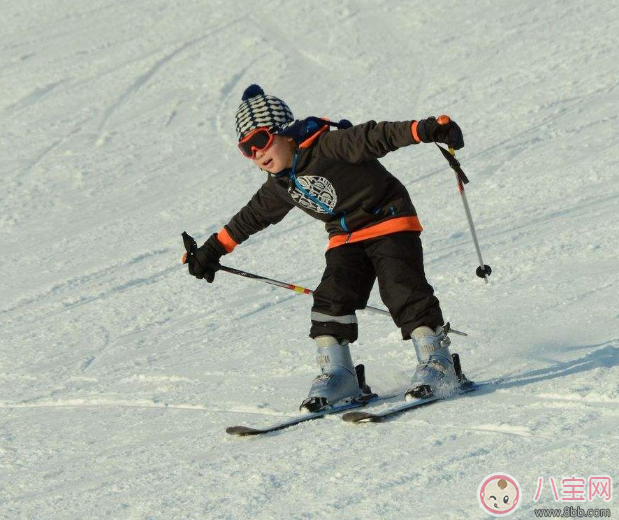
(308,142)
(226,240)
(393,225)
(414,131)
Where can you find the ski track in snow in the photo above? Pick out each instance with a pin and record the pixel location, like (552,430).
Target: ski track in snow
(143,79)
(119,373)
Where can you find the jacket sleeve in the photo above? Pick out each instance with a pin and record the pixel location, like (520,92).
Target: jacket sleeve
(367,141)
(266,207)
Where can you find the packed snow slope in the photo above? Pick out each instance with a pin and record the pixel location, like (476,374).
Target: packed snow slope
(119,372)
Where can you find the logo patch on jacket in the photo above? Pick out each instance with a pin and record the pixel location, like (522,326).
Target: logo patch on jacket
(319,189)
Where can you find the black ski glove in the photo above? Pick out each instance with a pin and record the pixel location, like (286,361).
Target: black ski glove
(441,130)
(204,263)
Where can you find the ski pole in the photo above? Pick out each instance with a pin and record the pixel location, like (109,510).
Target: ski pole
(284,285)
(483,271)
(191,246)
(290,286)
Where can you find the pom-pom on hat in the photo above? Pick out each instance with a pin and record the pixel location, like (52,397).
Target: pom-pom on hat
(259,110)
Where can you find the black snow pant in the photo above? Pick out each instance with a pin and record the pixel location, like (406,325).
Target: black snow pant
(397,261)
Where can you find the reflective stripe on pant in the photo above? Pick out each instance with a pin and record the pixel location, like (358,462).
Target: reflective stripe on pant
(348,319)
(397,261)
(340,327)
(345,287)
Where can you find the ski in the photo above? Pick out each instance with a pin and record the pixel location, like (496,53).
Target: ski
(243,431)
(363,417)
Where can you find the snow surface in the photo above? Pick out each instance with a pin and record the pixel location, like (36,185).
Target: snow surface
(119,372)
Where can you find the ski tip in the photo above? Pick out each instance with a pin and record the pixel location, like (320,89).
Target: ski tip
(241,431)
(356,417)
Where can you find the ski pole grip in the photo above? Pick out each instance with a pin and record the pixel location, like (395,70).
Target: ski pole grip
(445,120)
(190,246)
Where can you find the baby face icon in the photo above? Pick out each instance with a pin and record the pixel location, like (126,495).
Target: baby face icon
(499,494)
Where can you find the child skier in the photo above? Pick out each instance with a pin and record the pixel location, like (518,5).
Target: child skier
(374,232)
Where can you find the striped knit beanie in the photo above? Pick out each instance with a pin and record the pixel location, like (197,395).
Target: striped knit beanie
(259,110)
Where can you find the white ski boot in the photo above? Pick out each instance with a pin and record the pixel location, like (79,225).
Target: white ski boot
(435,373)
(340,381)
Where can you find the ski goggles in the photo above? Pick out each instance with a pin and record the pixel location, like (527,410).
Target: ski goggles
(257,140)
